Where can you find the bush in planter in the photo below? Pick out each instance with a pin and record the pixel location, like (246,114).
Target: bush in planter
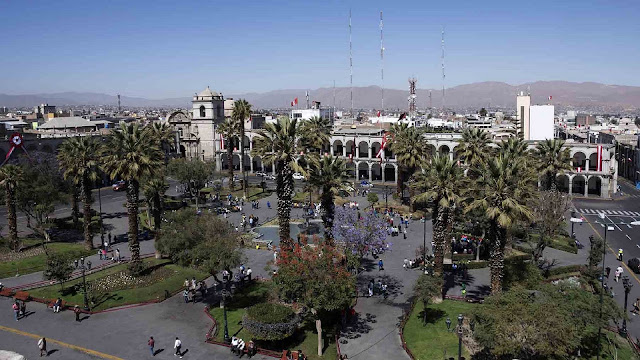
(268,321)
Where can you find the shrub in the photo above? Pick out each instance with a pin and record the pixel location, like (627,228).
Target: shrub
(267,321)
(563,270)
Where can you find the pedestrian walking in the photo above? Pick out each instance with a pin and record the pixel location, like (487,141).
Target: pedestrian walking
(23,308)
(380,265)
(275,255)
(100,253)
(76,310)
(178,346)
(607,271)
(404,233)
(618,273)
(370,288)
(116,255)
(185,295)
(42,345)
(620,252)
(268,205)
(151,343)
(16,309)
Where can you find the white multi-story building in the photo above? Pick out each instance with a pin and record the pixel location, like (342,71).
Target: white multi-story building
(523,103)
(541,123)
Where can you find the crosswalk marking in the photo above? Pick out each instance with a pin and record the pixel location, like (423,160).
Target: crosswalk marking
(609,212)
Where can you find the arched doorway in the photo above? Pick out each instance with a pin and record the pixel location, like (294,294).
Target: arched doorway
(363,149)
(593,162)
(257,164)
(350,148)
(389,173)
(444,150)
(579,160)
(578,185)
(563,183)
(376,172)
(595,186)
(363,171)
(337,148)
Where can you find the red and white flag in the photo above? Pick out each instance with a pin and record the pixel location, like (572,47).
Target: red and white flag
(378,113)
(550,97)
(221,142)
(599,163)
(295,101)
(579,169)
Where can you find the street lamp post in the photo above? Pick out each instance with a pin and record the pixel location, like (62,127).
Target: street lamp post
(84,283)
(627,288)
(460,319)
(607,228)
(424,245)
(225,296)
(100,209)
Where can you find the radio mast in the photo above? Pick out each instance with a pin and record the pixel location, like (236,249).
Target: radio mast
(351,66)
(442,58)
(382,60)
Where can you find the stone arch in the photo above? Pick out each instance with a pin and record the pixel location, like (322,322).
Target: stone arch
(363,149)
(444,150)
(431,150)
(183,151)
(202,111)
(350,148)
(258,165)
(376,171)
(246,162)
(595,185)
(375,148)
(593,162)
(579,160)
(326,148)
(338,148)
(579,182)
(390,173)
(563,182)
(247,142)
(363,170)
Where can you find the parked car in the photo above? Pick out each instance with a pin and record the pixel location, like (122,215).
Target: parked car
(634,265)
(270,177)
(119,186)
(365,183)
(260,173)
(298,176)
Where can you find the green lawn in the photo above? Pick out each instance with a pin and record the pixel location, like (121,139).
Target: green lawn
(73,293)
(431,340)
(306,340)
(615,347)
(38,262)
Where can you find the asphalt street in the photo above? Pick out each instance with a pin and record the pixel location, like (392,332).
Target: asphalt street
(619,213)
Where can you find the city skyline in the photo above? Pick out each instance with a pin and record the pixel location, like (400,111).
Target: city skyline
(168,49)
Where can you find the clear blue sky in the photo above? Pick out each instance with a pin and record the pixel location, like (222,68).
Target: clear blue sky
(160,48)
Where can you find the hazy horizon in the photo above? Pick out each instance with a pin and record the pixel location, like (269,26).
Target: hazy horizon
(168,49)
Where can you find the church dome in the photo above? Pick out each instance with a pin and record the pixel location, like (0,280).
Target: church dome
(208,93)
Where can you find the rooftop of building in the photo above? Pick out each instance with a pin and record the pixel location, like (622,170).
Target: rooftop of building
(67,122)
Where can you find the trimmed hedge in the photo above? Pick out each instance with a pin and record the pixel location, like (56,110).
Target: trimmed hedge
(267,321)
(563,270)
(464,256)
(270,313)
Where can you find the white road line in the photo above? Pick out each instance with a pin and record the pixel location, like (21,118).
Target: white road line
(628,237)
(626,212)
(629,226)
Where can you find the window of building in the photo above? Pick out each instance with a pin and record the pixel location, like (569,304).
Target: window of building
(202,113)
(297,115)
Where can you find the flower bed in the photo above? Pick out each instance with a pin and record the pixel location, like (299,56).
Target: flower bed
(268,321)
(123,280)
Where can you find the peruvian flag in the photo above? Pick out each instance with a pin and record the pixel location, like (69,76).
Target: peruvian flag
(599,162)
(579,169)
(292,104)
(550,97)
(378,113)
(295,101)
(221,141)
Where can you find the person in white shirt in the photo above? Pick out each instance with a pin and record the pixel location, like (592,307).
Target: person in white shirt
(249,271)
(240,347)
(234,344)
(178,346)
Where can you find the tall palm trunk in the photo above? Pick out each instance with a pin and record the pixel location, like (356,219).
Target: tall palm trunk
(133,188)
(10,199)
(86,213)
(496,257)
(230,161)
(285,192)
(75,199)
(328,214)
(157,211)
(242,165)
(439,233)
(400,181)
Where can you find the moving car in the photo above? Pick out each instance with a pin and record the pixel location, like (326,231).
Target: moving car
(298,176)
(119,186)
(365,183)
(260,173)
(270,177)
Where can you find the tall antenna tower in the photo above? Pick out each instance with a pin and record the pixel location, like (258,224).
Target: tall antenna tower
(351,64)
(430,102)
(119,109)
(382,60)
(412,96)
(334,99)
(442,58)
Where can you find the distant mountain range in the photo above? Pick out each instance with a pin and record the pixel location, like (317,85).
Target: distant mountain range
(565,94)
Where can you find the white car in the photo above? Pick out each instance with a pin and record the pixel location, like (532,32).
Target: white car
(261,173)
(298,176)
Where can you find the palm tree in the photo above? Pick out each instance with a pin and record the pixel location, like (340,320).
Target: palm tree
(67,160)
(553,161)
(242,112)
(154,189)
(441,186)
(229,129)
(410,148)
(163,133)
(79,158)
(281,144)
(10,175)
(331,175)
(503,189)
(132,154)
(474,149)
(319,130)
